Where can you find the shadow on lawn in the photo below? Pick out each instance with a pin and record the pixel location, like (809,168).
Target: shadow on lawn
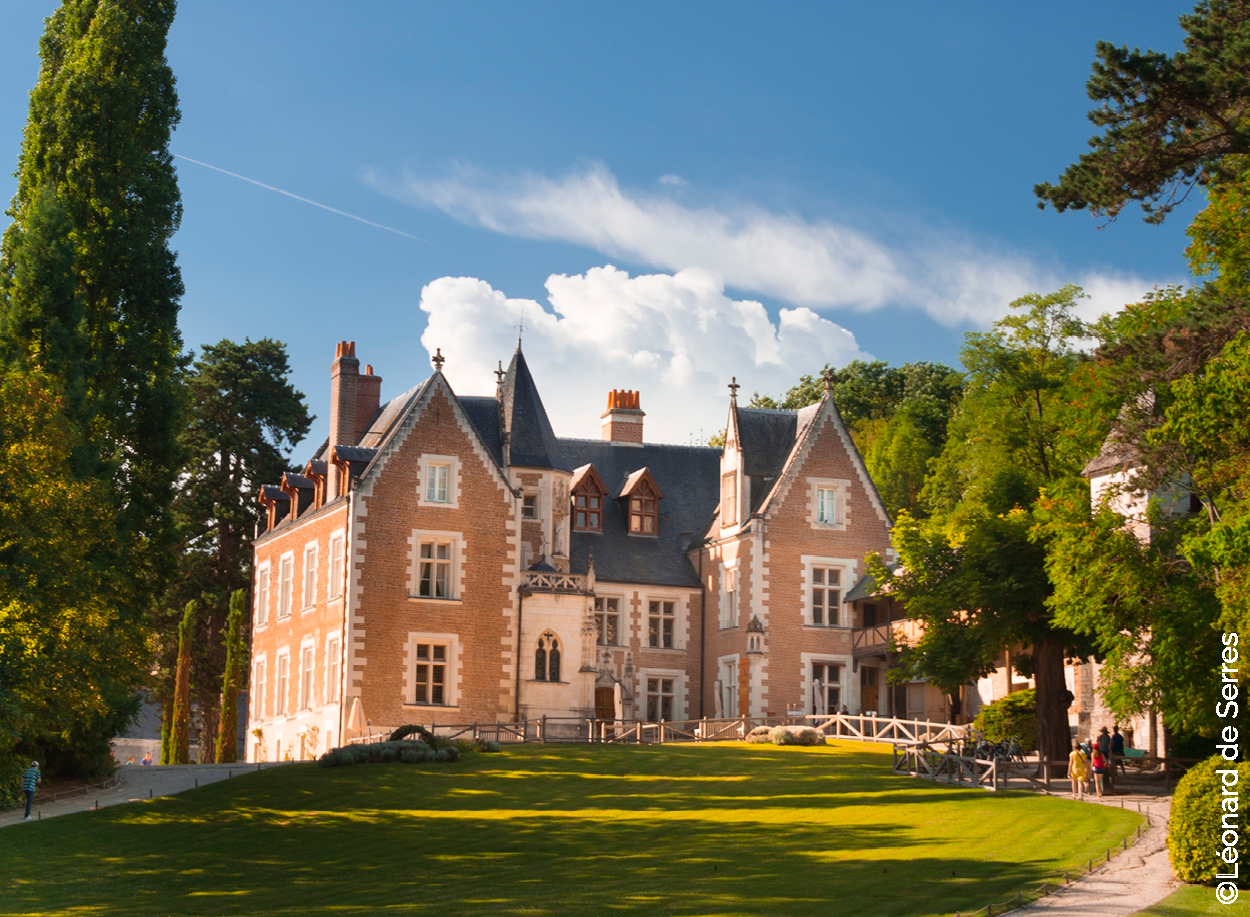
(592,832)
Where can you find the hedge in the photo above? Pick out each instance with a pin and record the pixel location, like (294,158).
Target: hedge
(1196,824)
(1013,715)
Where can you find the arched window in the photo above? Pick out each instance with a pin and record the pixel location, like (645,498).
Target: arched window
(547,658)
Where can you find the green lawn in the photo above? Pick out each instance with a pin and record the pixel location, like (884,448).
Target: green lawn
(548,829)
(1196,901)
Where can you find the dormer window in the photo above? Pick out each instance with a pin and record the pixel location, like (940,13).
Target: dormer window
(642,496)
(728,499)
(588,493)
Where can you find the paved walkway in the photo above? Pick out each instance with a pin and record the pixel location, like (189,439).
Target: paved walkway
(137,783)
(1134,880)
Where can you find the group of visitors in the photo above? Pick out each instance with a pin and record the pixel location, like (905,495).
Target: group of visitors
(1096,759)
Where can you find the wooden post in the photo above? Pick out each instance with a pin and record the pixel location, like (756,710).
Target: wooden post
(703,731)
(661,730)
(1046,772)
(542,730)
(640,732)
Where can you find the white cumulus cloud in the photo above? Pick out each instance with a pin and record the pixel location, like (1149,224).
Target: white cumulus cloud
(819,264)
(677,338)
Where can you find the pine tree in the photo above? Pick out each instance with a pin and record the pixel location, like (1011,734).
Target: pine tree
(236,662)
(180,732)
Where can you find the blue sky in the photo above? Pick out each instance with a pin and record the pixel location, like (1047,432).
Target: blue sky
(773,187)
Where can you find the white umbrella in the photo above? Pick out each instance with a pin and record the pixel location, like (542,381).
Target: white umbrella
(356,719)
(618,701)
(717,694)
(819,700)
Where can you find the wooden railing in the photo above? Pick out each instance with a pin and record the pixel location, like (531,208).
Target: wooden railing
(547,581)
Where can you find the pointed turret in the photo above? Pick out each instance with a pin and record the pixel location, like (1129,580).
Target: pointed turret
(529,440)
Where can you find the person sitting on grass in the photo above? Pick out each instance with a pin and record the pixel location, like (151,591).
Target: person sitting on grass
(1077,769)
(30,780)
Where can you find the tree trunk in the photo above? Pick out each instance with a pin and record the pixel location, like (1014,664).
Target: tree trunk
(1054,737)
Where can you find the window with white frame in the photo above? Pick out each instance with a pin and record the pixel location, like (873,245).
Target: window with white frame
(282,685)
(826,595)
(332,671)
(286,571)
(728,499)
(257,700)
(547,658)
(729,687)
(437,484)
(310,576)
(529,506)
(608,620)
(826,505)
(262,596)
(660,691)
(430,674)
(434,559)
(661,623)
(334,581)
(729,601)
(826,687)
(305,677)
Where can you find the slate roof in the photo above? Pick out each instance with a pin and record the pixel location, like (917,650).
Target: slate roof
(484,415)
(766,438)
(689,477)
(531,441)
(866,588)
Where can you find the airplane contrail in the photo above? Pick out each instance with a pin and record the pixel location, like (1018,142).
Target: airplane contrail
(342,213)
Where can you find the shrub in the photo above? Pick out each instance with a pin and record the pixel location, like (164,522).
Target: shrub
(404,732)
(1195,829)
(783,736)
(760,735)
(1013,715)
(387,755)
(386,752)
(464,746)
(809,736)
(485,745)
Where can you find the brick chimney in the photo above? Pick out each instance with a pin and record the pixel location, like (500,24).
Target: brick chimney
(344,398)
(368,398)
(622,421)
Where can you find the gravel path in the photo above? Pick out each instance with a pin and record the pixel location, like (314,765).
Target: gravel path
(1134,880)
(137,783)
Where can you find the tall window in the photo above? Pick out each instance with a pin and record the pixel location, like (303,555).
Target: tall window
(335,578)
(826,506)
(305,678)
(431,674)
(659,699)
(547,658)
(826,595)
(728,499)
(827,687)
(588,512)
(660,620)
(434,572)
(729,610)
(332,671)
(262,597)
(285,572)
(436,485)
(608,621)
(283,685)
(258,690)
(642,512)
(310,576)
(529,506)
(729,687)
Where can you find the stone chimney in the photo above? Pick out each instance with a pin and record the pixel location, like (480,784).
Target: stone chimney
(622,421)
(344,398)
(368,398)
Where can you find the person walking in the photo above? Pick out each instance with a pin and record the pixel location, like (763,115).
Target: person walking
(1077,770)
(1104,746)
(30,780)
(1100,770)
(1117,750)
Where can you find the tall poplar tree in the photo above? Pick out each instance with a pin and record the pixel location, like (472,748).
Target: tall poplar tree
(180,734)
(236,662)
(96,179)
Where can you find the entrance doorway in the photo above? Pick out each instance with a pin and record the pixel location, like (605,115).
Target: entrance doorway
(868,676)
(605,703)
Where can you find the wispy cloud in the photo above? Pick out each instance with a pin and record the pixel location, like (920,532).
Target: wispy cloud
(815,263)
(675,180)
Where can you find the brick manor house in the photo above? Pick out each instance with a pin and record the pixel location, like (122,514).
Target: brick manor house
(449,559)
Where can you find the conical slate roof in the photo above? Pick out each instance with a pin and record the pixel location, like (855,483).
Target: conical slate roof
(531,443)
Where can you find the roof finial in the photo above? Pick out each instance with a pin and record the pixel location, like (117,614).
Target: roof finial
(499,374)
(733,390)
(827,375)
(520,327)
(438,359)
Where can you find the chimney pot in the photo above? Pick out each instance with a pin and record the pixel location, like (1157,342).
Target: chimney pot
(622,421)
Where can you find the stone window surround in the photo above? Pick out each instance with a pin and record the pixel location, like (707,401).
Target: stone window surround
(451,683)
(679,621)
(283,653)
(263,596)
(260,673)
(622,618)
(841,489)
(456,579)
(331,691)
(302,703)
(340,536)
(679,679)
(290,599)
(309,602)
(728,615)
(846,581)
(453,480)
(809,659)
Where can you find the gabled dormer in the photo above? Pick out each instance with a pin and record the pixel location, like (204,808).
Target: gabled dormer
(588,493)
(642,497)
